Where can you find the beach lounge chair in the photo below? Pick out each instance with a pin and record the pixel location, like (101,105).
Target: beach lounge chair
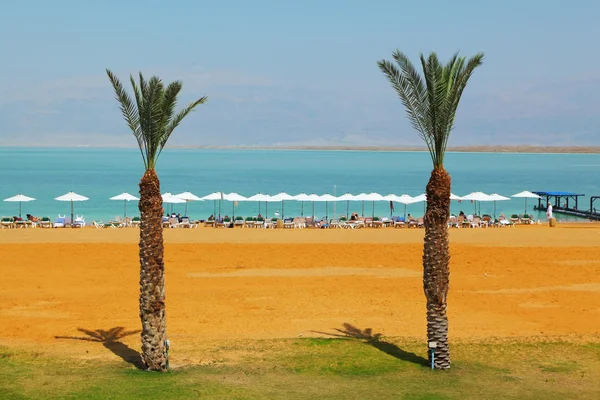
(239,221)
(249,222)
(526,219)
(288,223)
(299,222)
(453,222)
(101,225)
(60,222)
(399,222)
(135,221)
(7,222)
(79,222)
(210,222)
(45,222)
(377,222)
(514,218)
(24,224)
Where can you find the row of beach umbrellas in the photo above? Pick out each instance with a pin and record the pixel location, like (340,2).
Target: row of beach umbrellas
(187,197)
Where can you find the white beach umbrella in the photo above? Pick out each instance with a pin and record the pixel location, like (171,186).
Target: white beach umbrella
(302,197)
(496,197)
(281,197)
(327,198)
(370,197)
(172,199)
(188,196)
(347,197)
(71,197)
(475,197)
(402,199)
(526,195)
(215,196)
(125,197)
(20,198)
(258,197)
(312,197)
(169,198)
(234,198)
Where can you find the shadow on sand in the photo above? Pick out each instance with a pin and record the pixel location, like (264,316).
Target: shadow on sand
(110,339)
(375,339)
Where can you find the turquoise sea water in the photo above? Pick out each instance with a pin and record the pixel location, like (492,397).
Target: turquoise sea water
(46,173)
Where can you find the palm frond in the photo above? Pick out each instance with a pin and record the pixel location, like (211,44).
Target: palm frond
(431,101)
(410,89)
(176,120)
(128,109)
(152,118)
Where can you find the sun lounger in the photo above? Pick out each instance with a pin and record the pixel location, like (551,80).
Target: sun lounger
(239,221)
(7,222)
(45,222)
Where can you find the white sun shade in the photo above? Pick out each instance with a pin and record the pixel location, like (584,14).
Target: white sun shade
(124,196)
(170,199)
(19,198)
(187,196)
(526,194)
(71,196)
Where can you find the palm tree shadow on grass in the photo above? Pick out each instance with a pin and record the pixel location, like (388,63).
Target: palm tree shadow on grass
(110,339)
(367,336)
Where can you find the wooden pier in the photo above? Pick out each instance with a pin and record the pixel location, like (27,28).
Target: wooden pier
(560,204)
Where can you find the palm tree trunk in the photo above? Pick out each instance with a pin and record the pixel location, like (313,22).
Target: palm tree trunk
(152,281)
(436,260)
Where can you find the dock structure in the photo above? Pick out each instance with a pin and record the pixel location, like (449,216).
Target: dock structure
(560,204)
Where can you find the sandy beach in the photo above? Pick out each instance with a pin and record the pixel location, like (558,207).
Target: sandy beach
(230,284)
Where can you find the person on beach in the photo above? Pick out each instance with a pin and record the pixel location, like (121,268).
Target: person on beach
(549,211)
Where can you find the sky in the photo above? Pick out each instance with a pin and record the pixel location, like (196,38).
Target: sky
(298,72)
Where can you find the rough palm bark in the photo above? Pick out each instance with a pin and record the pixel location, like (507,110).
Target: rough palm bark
(436,261)
(152,277)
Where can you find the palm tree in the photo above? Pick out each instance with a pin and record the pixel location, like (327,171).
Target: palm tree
(431,102)
(152,119)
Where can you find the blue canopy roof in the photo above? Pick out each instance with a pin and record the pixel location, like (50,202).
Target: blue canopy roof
(558,194)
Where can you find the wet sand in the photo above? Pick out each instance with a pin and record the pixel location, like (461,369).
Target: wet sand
(238,284)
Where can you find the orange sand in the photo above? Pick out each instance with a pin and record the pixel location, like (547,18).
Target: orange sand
(246,283)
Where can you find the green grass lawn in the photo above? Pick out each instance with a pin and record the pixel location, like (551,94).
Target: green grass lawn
(319,369)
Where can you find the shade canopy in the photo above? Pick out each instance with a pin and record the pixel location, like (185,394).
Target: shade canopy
(405,199)
(124,196)
(420,198)
(214,196)
(282,196)
(20,198)
(526,194)
(327,197)
(455,197)
(234,197)
(347,197)
(71,196)
(302,197)
(477,196)
(497,197)
(187,196)
(171,199)
(259,197)
(370,197)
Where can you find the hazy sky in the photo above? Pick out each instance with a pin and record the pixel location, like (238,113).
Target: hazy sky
(298,72)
